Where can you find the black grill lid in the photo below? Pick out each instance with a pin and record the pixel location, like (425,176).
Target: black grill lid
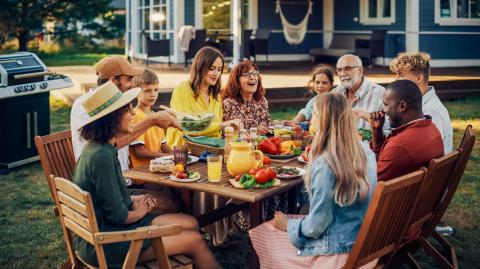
(19,63)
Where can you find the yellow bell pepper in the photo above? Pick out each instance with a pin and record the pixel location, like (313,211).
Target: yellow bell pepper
(286,147)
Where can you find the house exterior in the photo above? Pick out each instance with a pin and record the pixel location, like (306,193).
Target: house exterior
(449,30)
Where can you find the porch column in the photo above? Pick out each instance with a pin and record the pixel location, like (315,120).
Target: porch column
(178,21)
(412,25)
(328,22)
(237,29)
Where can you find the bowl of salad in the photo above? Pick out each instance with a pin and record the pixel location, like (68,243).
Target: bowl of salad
(197,122)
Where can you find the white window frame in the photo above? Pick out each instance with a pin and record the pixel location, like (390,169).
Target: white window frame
(164,33)
(453,20)
(366,20)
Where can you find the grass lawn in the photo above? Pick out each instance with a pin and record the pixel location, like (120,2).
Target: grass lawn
(32,237)
(67,59)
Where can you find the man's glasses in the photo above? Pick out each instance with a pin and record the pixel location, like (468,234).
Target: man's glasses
(250,74)
(346,69)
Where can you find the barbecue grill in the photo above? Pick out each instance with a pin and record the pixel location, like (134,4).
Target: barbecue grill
(25,83)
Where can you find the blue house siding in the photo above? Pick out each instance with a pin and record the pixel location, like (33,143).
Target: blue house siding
(457,46)
(189,12)
(446,45)
(346,10)
(267,18)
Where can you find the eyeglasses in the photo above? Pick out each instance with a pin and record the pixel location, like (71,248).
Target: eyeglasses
(346,69)
(251,74)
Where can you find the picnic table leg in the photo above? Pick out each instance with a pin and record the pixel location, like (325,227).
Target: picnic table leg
(256,215)
(187,200)
(292,201)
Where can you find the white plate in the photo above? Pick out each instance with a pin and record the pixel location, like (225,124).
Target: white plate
(300,158)
(301,173)
(193,159)
(184,180)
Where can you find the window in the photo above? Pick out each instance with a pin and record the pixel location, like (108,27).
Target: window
(377,12)
(457,12)
(153,19)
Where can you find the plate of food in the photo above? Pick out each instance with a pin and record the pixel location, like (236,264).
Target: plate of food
(191,159)
(281,156)
(185,177)
(301,159)
(286,172)
(257,178)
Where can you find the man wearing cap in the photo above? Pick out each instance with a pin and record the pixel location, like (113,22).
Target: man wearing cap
(118,70)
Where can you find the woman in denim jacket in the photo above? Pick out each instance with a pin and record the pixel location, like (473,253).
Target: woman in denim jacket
(340,181)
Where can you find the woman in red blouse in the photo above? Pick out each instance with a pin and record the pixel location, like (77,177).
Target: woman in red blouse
(244,98)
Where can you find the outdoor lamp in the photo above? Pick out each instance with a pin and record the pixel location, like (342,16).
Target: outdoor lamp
(157,17)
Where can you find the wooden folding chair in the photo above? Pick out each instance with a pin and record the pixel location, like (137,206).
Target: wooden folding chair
(77,216)
(56,155)
(386,220)
(428,231)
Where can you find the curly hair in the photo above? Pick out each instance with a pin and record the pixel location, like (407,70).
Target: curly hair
(417,62)
(317,70)
(104,128)
(233,89)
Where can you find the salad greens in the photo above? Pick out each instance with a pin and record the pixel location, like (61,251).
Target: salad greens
(365,133)
(248,181)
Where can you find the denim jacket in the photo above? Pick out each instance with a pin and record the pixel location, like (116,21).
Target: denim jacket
(329,228)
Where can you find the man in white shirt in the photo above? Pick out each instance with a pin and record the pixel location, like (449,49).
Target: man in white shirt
(121,72)
(416,68)
(364,95)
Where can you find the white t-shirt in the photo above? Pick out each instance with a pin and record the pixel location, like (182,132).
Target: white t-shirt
(78,116)
(432,106)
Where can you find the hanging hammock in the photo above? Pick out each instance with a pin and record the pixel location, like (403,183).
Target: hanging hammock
(294,34)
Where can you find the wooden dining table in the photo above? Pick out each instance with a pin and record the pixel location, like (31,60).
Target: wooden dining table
(244,198)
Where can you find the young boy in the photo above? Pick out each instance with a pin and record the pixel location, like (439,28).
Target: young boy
(152,143)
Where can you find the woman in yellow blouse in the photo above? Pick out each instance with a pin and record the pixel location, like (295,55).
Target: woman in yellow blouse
(201,94)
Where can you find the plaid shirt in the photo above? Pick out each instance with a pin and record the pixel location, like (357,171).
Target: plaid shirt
(369,98)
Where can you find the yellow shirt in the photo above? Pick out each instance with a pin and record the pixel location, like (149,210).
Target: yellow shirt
(183,100)
(151,139)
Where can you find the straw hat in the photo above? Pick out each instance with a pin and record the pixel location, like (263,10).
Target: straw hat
(105,100)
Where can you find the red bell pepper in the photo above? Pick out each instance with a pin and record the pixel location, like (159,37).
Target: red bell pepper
(267,146)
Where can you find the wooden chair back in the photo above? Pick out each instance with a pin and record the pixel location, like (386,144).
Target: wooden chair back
(434,188)
(466,146)
(77,216)
(386,220)
(56,155)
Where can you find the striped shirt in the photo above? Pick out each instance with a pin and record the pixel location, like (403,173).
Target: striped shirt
(432,106)
(369,98)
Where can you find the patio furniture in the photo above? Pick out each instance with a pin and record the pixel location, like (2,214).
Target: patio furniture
(428,231)
(251,198)
(371,48)
(259,44)
(341,44)
(386,220)
(157,48)
(77,217)
(195,45)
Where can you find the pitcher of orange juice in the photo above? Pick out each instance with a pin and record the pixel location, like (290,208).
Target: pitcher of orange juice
(242,158)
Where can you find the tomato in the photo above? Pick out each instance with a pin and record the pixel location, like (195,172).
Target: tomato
(253,171)
(271,173)
(262,176)
(237,177)
(297,129)
(181,175)
(266,160)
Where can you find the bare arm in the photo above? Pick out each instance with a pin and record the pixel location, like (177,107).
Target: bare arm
(299,118)
(162,119)
(143,153)
(140,208)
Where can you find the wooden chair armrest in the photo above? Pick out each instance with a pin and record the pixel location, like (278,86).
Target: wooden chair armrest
(147,232)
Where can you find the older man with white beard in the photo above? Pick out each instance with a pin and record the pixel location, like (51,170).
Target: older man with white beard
(363,95)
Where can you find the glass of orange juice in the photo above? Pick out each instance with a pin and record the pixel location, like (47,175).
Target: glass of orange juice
(214,166)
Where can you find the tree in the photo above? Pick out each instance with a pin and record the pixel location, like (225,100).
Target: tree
(23,19)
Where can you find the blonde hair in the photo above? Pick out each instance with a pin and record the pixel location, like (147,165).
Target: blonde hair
(148,77)
(337,142)
(418,63)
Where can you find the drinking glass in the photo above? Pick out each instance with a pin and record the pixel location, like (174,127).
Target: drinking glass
(253,137)
(180,155)
(214,166)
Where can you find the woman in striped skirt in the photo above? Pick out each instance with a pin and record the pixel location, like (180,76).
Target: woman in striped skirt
(340,180)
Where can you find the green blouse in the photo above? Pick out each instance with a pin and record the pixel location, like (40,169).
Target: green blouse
(98,172)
